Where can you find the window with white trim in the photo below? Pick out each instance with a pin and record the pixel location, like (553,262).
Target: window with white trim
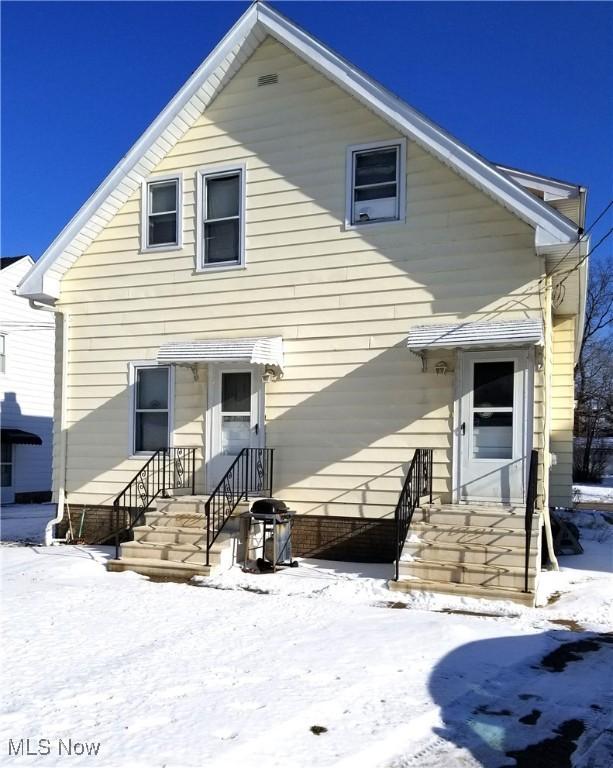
(222,218)
(151,389)
(376,183)
(2,353)
(162,219)
(6,465)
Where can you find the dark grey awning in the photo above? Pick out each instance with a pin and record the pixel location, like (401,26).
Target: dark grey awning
(19,437)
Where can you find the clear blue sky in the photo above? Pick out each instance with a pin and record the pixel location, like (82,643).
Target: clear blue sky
(526,84)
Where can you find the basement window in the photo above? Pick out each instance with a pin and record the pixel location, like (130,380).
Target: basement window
(375,183)
(150,412)
(221,217)
(161,227)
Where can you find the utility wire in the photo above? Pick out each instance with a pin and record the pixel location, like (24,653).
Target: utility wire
(581,239)
(580,262)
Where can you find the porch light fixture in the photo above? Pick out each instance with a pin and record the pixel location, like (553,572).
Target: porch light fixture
(441,368)
(270,374)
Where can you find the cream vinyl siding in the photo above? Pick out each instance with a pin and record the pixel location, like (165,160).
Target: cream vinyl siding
(353,403)
(562,411)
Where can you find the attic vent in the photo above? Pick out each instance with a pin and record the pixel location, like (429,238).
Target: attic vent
(268,79)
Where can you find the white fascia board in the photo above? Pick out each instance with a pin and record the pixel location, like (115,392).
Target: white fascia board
(33,283)
(553,188)
(554,227)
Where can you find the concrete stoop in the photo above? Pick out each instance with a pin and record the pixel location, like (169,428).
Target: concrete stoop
(171,543)
(470,551)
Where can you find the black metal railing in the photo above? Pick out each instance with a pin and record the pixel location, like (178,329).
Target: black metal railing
(418,483)
(169,469)
(250,474)
(531,494)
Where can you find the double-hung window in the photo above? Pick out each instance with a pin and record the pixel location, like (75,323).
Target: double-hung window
(222,219)
(151,394)
(162,214)
(375,183)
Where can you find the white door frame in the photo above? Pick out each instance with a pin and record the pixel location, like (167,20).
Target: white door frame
(212,411)
(524,355)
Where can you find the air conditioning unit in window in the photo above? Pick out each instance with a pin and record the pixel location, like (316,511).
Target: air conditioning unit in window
(375,210)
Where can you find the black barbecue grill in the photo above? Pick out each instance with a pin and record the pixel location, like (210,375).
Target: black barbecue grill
(276,519)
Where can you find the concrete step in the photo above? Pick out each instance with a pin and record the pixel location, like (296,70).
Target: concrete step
(462,590)
(163,569)
(185,505)
(463,534)
(162,531)
(158,519)
(471,517)
(168,534)
(178,553)
(505,577)
(453,552)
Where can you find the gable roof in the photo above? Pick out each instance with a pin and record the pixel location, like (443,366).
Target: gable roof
(8,261)
(258,22)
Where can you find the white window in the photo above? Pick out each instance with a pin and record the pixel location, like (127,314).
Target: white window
(221,217)
(6,465)
(161,204)
(151,394)
(375,183)
(2,353)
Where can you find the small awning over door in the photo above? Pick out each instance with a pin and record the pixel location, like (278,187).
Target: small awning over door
(260,350)
(502,333)
(11,436)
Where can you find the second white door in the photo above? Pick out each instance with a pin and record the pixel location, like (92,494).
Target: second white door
(494,438)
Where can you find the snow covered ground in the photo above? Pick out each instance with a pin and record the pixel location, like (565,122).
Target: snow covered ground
(590,492)
(245,669)
(25,523)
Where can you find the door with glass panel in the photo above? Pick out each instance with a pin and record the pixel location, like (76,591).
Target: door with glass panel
(493,431)
(235,417)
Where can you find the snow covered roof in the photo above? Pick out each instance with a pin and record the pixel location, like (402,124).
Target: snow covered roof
(263,350)
(258,22)
(467,334)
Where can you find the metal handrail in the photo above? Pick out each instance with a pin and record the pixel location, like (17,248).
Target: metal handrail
(251,472)
(168,469)
(418,483)
(531,493)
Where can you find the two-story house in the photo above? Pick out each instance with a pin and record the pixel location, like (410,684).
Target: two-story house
(26,389)
(295,282)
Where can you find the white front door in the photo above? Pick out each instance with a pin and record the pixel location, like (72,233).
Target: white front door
(235,417)
(494,439)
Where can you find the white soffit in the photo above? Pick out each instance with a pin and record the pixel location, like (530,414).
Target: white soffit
(501,333)
(43,281)
(260,350)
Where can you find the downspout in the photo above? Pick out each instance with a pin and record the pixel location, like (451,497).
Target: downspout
(61,499)
(547,375)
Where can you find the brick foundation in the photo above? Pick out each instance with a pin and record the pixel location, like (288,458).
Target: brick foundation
(328,538)
(32,497)
(344,538)
(99,523)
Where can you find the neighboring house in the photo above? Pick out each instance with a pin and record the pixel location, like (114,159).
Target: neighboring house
(292,258)
(26,379)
